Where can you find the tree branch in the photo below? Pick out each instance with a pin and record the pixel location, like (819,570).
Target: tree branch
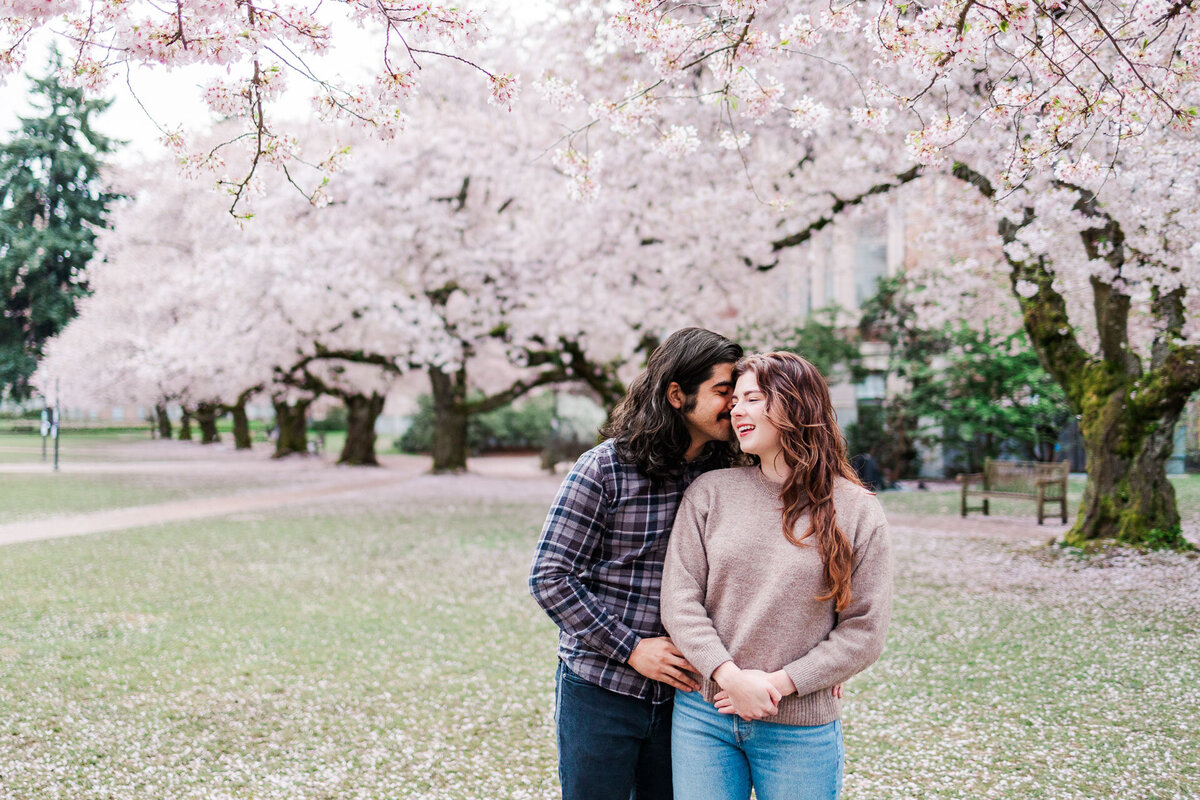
(1049,328)
(601,379)
(556,374)
(1111,305)
(1168,310)
(976,179)
(1045,311)
(1166,389)
(839,205)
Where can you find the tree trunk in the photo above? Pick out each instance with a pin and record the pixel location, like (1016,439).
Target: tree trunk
(450,420)
(1128,496)
(163,421)
(361,413)
(901,452)
(241,425)
(291,422)
(206,417)
(185,425)
(1127,410)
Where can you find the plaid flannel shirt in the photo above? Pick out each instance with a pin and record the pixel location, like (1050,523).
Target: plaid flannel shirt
(599,562)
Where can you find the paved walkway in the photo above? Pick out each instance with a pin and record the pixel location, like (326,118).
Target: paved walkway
(119,519)
(302,482)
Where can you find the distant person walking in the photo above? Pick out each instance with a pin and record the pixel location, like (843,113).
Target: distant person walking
(867,470)
(598,570)
(777,587)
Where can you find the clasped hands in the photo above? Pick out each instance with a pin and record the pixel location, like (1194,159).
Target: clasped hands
(751,693)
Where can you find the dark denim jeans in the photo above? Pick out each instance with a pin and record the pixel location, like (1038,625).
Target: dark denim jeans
(610,747)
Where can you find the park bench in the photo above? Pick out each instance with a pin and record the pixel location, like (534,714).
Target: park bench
(1039,481)
(564,449)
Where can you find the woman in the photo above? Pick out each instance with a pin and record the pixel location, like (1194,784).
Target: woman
(777,588)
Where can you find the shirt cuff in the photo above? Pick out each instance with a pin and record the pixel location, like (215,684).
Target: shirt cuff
(624,645)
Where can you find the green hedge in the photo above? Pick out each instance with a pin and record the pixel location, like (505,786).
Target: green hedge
(526,426)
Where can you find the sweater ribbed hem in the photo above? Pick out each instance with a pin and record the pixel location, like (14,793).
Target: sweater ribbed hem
(818,708)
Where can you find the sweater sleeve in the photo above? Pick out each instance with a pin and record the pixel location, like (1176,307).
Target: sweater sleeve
(856,641)
(685,577)
(574,530)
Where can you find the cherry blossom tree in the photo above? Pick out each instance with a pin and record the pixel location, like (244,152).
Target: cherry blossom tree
(173,318)
(475,224)
(1067,127)
(455,254)
(249,51)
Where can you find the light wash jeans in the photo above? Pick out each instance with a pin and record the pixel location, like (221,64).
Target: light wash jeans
(717,756)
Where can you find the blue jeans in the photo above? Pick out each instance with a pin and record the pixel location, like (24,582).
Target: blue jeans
(720,756)
(610,746)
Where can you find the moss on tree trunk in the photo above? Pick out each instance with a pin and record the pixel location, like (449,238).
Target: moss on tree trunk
(1128,496)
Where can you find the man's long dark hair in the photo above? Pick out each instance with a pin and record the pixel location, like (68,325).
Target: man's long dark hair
(647,430)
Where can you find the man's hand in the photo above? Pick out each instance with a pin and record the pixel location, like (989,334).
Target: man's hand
(659,660)
(749,693)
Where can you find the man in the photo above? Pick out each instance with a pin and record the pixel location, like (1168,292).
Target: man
(598,570)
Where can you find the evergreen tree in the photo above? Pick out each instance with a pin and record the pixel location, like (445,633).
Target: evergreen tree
(52,204)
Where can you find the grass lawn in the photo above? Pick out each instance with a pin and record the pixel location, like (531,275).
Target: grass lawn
(335,440)
(392,652)
(97,444)
(27,497)
(74,445)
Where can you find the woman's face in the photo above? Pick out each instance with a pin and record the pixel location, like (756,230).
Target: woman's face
(755,433)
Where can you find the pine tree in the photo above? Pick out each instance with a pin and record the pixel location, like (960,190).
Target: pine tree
(52,203)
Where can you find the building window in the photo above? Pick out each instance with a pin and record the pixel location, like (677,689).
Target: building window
(872,388)
(870,260)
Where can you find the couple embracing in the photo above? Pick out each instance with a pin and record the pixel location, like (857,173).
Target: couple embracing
(709,612)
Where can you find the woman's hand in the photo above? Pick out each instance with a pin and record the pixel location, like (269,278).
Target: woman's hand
(749,693)
(781,681)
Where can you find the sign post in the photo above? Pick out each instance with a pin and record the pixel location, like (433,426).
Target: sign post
(54,425)
(45,430)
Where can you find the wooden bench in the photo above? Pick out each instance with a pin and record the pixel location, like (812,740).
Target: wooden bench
(1039,481)
(568,449)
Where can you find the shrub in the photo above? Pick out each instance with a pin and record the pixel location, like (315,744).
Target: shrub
(518,426)
(334,420)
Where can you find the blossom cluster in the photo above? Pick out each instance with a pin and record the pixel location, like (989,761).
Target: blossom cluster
(257,43)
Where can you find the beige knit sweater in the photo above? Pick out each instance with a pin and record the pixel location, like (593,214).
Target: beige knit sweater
(735,588)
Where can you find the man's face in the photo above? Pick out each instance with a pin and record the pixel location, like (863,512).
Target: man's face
(706,413)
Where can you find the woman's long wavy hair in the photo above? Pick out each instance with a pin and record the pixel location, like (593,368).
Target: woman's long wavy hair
(647,430)
(798,404)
